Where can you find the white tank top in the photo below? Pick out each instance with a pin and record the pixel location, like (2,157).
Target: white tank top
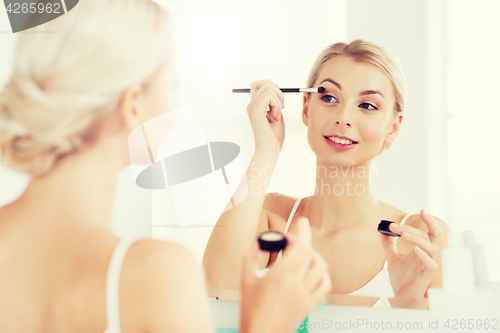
(379,285)
(113,284)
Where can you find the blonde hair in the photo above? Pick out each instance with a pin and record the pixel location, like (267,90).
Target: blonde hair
(370,53)
(66,79)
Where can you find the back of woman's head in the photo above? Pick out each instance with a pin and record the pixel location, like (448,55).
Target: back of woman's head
(71,73)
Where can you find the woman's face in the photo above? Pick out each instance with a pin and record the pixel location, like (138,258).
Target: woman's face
(358,104)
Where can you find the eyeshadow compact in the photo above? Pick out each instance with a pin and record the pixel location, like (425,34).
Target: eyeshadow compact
(272,241)
(383,227)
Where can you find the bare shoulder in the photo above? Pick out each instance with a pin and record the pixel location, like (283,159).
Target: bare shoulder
(416,221)
(155,252)
(166,280)
(150,259)
(278,208)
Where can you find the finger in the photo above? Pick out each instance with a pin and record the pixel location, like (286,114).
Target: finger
(261,86)
(274,103)
(250,262)
(390,250)
(431,248)
(269,99)
(429,264)
(323,288)
(255,86)
(281,96)
(316,272)
(279,93)
(269,85)
(299,247)
(272,85)
(296,264)
(279,122)
(399,228)
(302,233)
(275,107)
(435,231)
(278,128)
(299,252)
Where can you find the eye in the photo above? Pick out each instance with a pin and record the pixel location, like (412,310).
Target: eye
(367,106)
(329,98)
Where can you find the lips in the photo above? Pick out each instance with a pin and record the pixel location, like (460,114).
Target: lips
(340,139)
(340,144)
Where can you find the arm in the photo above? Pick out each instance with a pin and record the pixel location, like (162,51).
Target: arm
(175,291)
(236,228)
(162,289)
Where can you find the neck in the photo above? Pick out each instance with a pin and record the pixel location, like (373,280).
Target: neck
(79,189)
(343,198)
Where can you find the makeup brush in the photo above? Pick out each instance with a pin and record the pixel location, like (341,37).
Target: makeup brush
(288,90)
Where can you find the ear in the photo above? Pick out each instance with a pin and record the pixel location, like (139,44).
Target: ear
(130,110)
(305,109)
(394,128)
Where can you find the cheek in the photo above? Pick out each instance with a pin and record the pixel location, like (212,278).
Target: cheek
(159,105)
(164,103)
(161,97)
(312,130)
(315,124)
(372,130)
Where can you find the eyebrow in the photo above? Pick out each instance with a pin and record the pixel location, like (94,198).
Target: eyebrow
(363,93)
(371,92)
(332,82)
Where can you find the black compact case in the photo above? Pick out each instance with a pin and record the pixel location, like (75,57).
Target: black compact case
(272,241)
(383,227)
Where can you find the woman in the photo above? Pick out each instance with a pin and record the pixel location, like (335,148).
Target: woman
(358,116)
(73,98)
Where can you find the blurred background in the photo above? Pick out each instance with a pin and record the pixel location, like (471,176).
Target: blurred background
(444,161)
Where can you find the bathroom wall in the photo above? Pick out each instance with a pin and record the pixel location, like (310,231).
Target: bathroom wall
(228,44)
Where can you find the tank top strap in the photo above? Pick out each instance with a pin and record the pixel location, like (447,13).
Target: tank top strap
(292,214)
(113,283)
(405,218)
(290,218)
(395,239)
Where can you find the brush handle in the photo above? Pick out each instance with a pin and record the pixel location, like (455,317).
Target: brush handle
(285,90)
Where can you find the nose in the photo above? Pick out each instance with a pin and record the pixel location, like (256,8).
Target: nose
(342,115)
(347,123)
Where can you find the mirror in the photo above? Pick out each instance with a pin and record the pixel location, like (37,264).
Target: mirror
(426,167)
(342,300)
(225,45)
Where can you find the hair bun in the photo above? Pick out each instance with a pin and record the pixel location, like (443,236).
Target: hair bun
(29,143)
(62,85)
